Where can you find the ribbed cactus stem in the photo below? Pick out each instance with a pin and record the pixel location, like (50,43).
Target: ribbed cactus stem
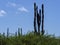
(35,30)
(7,32)
(4,35)
(21,31)
(16,34)
(18,31)
(42,19)
(39,20)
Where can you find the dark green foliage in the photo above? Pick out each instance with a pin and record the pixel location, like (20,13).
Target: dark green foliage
(30,39)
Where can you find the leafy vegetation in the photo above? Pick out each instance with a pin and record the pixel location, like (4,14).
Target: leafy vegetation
(29,39)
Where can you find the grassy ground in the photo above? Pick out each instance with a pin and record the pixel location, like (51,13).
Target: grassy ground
(29,39)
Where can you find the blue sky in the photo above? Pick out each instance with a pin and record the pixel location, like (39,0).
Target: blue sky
(20,13)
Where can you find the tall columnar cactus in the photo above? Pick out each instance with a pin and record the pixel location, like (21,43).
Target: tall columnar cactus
(18,31)
(42,19)
(7,32)
(3,35)
(16,34)
(35,30)
(39,21)
(21,31)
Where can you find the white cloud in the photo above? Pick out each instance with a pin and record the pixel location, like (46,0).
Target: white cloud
(18,7)
(11,4)
(2,12)
(23,9)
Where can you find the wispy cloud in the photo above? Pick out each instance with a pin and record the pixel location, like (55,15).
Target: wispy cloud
(18,8)
(11,4)
(2,12)
(23,9)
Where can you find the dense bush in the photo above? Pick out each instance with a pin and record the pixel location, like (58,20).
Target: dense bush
(29,39)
